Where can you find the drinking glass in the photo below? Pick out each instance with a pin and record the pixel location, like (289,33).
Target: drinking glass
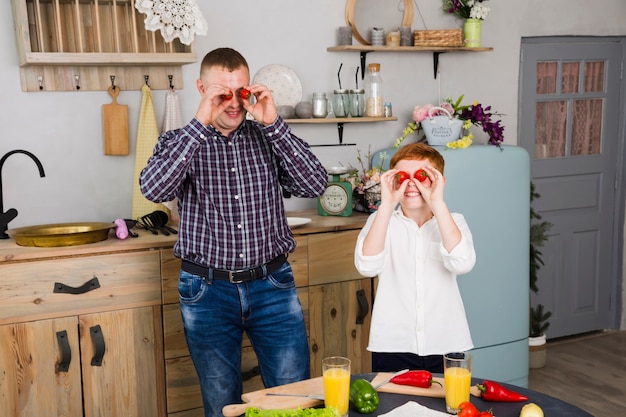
(336,377)
(457,375)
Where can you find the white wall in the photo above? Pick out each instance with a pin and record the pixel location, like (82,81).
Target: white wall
(64,129)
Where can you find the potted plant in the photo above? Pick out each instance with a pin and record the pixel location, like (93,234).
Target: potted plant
(538,316)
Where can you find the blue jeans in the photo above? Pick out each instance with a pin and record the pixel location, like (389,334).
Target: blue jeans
(216,313)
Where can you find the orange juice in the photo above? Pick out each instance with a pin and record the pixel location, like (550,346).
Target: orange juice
(457,382)
(337,389)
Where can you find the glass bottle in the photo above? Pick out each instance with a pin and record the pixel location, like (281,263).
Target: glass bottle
(374,92)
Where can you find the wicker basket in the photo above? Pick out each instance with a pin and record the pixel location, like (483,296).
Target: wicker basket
(443,37)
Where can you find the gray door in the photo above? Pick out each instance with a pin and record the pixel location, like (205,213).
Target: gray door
(569,116)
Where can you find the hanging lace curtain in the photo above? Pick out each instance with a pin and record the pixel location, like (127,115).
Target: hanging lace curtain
(174,18)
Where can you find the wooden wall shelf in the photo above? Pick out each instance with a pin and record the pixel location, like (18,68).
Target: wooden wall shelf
(74,45)
(340,122)
(435,50)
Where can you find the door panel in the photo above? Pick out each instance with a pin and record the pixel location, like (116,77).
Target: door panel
(30,383)
(124,384)
(569,113)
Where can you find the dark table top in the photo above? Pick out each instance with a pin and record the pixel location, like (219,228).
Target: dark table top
(551,406)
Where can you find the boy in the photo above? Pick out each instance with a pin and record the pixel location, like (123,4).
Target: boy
(417,248)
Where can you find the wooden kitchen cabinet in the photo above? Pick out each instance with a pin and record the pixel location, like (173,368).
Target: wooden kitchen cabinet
(109,338)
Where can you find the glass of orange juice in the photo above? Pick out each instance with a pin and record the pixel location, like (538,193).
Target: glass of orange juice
(457,375)
(336,377)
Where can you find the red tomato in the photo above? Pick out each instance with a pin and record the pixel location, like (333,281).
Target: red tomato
(485,414)
(227,96)
(400,177)
(244,93)
(421,175)
(467,409)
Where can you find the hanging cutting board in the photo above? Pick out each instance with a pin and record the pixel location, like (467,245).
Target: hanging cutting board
(115,122)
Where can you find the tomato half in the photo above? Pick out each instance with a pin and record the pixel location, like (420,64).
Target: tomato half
(400,177)
(420,175)
(245,93)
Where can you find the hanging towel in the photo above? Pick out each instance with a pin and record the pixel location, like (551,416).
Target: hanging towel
(147,136)
(172,120)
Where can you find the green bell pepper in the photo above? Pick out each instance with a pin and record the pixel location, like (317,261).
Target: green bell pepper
(363,396)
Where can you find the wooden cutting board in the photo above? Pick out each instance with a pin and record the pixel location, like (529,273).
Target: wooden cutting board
(260,399)
(435,390)
(115,122)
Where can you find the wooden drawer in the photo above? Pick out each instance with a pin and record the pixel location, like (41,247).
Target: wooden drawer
(171,269)
(331,257)
(27,290)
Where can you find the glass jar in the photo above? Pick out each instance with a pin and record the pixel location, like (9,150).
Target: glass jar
(341,103)
(320,105)
(374,92)
(357,102)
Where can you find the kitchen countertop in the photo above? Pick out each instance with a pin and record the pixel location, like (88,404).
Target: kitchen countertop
(11,252)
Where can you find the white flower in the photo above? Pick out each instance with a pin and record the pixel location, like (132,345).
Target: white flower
(479,12)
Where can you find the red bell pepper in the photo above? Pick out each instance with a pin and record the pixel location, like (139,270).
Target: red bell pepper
(492,391)
(421,379)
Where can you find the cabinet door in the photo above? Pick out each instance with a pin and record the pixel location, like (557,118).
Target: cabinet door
(30,383)
(123,377)
(339,316)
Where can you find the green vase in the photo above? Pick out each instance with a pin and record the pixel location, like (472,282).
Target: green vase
(471,33)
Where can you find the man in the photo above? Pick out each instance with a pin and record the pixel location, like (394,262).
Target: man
(227,173)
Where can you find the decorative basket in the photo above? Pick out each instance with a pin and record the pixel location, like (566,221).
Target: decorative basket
(443,37)
(440,130)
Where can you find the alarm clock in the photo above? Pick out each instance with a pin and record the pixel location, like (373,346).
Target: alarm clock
(337,198)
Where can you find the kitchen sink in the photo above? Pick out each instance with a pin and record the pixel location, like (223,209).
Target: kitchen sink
(61,234)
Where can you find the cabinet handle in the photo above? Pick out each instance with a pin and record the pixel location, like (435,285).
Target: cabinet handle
(66,352)
(99,346)
(364,306)
(90,285)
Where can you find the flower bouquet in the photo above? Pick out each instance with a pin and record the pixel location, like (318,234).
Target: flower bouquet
(474,114)
(366,184)
(467,9)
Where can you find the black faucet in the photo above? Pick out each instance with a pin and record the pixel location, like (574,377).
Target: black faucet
(10,214)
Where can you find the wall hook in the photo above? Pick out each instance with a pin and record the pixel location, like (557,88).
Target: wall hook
(77,79)
(146,78)
(112,77)
(40,81)
(171,77)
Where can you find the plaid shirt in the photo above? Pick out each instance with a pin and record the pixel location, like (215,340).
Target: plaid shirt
(232,214)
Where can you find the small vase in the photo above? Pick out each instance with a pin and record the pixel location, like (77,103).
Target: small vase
(471,33)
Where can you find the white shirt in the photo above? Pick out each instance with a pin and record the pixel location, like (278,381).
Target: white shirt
(418,307)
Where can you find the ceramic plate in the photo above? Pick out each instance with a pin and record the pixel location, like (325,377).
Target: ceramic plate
(297,221)
(284,83)
(338,170)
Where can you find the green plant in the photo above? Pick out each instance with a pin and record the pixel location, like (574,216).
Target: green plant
(538,236)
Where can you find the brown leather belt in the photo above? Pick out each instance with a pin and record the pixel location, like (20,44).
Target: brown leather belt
(236,277)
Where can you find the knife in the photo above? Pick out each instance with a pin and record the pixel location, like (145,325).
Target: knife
(313,396)
(390,378)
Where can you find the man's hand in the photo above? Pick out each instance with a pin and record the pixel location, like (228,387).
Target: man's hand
(264,109)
